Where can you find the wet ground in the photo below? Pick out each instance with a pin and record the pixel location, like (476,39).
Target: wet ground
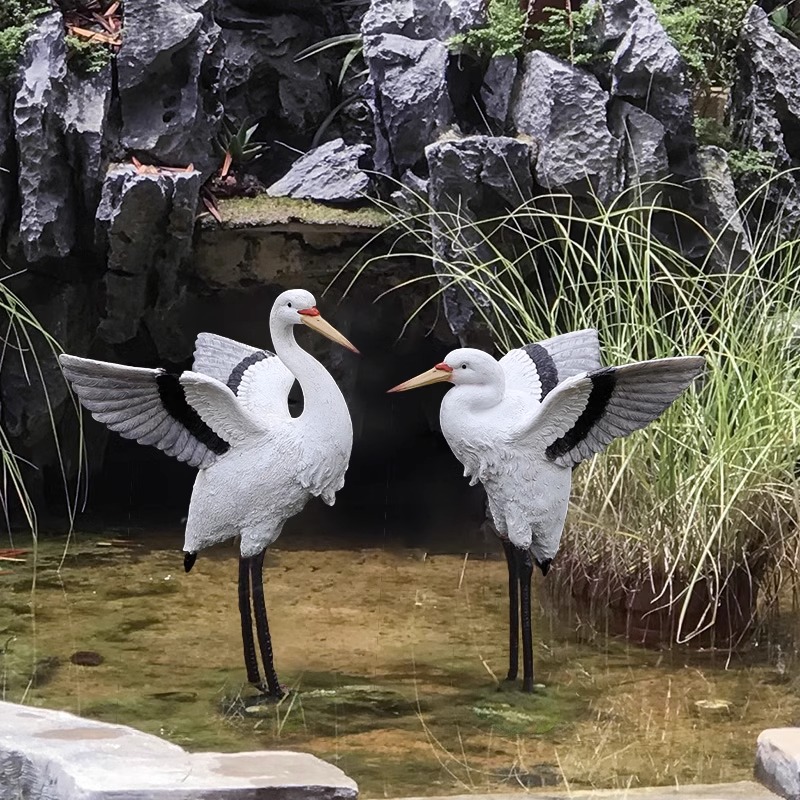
(395,659)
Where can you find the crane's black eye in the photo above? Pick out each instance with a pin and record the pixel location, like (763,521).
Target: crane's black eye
(463,366)
(288,305)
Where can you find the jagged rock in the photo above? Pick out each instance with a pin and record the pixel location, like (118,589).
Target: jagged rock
(47,226)
(410,101)
(497,89)
(8,161)
(145,224)
(169,109)
(648,71)
(422,19)
(564,109)
(723,218)
(329,173)
(644,153)
(765,109)
(474,178)
(85,120)
(411,196)
(261,77)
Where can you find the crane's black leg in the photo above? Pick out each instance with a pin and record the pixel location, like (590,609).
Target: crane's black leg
(262,627)
(513,611)
(250,659)
(525,571)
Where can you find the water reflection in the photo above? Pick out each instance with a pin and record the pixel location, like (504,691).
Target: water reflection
(394,655)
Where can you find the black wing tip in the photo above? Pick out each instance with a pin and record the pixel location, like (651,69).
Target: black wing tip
(235,378)
(188,561)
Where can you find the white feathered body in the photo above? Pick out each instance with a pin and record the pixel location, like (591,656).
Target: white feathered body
(527,494)
(520,425)
(256,487)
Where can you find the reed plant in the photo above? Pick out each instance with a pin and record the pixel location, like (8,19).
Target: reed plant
(704,502)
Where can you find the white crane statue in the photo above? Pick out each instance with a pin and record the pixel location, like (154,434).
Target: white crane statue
(519,425)
(229,417)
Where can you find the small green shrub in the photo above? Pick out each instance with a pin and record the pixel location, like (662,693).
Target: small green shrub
(566,34)
(705,32)
(786,24)
(11,41)
(85,57)
(15,19)
(751,162)
(503,35)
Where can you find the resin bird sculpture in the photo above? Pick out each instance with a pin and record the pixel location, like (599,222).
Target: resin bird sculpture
(229,416)
(519,425)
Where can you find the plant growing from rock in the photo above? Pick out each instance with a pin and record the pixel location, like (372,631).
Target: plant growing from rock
(503,34)
(15,24)
(237,147)
(706,35)
(786,21)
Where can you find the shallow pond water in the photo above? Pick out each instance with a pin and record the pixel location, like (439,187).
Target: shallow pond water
(394,658)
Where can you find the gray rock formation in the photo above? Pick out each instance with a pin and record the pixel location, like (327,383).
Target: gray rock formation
(778,761)
(261,77)
(8,161)
(55,755)
(647,71)
(765,110)
(88,99)
(47,223)
(329,173)
(471,179)
(732,244)
(644,153)
(497,89)
(410,101)
(168,113)
(145,225)
(422,19)
(564,109)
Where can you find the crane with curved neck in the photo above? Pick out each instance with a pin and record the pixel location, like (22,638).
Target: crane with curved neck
(229,417)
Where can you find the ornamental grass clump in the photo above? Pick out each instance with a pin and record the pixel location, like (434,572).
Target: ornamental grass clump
(697,514)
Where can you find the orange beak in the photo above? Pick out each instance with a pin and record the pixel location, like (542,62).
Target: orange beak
(439,373)
(312,318)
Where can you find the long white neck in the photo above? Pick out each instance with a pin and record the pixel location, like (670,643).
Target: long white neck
(479,397)
(323,402)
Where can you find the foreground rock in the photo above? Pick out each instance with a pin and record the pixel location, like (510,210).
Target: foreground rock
(56,755)
(778,761)
(329,173)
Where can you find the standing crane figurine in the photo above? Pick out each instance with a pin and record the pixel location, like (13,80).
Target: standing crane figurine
(519,425)
(230,417)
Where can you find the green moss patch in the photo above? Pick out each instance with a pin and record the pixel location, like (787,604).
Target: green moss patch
(255,212)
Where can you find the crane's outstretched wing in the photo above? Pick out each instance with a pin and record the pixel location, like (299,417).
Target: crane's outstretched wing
(537,369)
(148,405)
(258,378)
(219,408)
(585,413)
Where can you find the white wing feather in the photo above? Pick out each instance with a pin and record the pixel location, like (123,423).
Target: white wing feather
(585,413)
(258,378)
(219,408)
(538,368)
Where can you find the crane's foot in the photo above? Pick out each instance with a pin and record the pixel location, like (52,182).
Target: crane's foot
(267,693)
(529,687)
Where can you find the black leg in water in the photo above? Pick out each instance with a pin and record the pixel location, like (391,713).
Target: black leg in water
(262,627)
(525,571)
(513,611)
(250,658)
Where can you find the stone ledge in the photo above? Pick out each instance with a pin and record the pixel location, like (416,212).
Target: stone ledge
(778,761)
(54,755)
